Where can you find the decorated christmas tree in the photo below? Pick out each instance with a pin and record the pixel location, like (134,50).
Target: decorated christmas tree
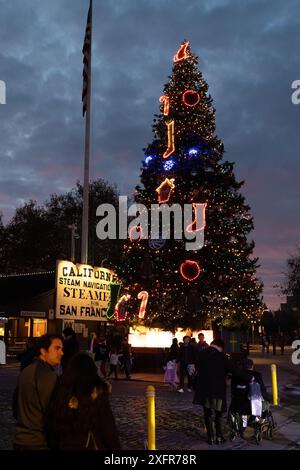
(184,165)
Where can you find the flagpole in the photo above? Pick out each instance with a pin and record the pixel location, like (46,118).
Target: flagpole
(85,210)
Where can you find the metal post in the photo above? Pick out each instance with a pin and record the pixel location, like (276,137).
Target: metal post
(86,183)
(274,384)
(74,236)
(151,417)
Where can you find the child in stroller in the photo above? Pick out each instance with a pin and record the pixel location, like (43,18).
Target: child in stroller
(250,406)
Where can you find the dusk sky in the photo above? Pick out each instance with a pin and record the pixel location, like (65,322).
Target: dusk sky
(248,53)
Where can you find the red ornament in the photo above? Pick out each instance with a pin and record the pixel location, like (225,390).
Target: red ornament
(191,98)
(190,270)
(135,233)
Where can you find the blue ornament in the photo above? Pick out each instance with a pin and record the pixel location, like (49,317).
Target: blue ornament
(193,152)
(148,159)
(168,165)
(156,244)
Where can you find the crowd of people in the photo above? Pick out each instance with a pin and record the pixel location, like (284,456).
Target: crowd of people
(62,397)
(207,368)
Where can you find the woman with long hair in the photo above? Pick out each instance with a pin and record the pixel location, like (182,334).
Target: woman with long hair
(80,416)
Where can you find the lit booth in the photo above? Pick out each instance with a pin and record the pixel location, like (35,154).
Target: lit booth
(150,346)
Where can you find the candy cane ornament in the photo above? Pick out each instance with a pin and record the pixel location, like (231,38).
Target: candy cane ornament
(166,101)
(143,295)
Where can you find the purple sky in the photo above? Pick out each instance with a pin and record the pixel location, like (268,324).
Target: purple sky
(248,53)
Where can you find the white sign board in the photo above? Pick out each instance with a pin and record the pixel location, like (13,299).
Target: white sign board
(82,292)
(32,314)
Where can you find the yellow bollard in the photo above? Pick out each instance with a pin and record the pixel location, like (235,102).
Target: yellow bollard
(151,417)
(274,384)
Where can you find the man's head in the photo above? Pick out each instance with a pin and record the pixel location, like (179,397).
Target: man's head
(68,332)
(201,337)
(50,349)
(186,340)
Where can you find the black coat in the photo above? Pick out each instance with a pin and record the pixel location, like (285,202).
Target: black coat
(69,423)
(70,348)
(186,355)
(240,402)
(210,383)
(35,387)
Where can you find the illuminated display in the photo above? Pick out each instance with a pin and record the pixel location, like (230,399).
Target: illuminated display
(166,101)
(190,270)
(165,189)
(182,52)
(191,98)
(143,296)
(120,308)
(135,233)
(199,213)
(171,145)
(144,337)
(82,291)
(114,295)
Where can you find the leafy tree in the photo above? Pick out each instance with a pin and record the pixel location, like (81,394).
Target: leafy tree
(38,235)
(291,284)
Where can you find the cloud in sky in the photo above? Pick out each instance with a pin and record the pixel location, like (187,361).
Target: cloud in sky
(247,52)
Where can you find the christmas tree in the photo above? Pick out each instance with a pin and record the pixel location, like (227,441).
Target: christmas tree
(183,165)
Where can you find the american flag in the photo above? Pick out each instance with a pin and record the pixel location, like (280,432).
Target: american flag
(86,50)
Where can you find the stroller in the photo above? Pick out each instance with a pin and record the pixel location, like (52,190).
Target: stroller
(262,425)
(250,406)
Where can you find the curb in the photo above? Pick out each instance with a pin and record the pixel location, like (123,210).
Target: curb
(292,389)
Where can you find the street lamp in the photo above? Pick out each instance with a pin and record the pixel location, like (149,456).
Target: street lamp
(74,236)
(252,326)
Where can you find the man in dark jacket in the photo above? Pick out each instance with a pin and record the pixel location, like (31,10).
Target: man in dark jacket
(213,367)
(35,386)
(187,360)
(71,346)
(202,344)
